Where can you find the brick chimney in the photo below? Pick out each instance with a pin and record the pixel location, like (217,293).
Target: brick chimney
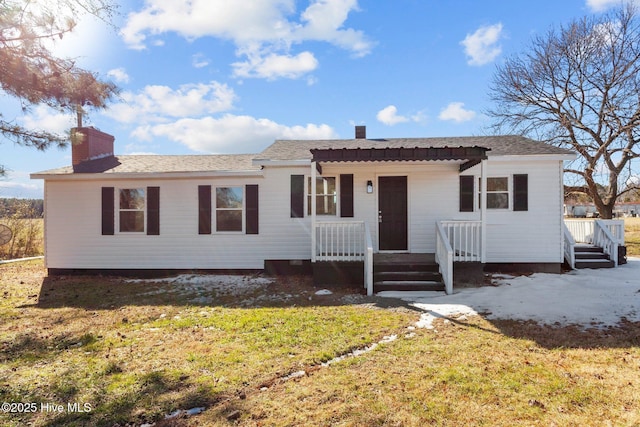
(361,132)
(88,143)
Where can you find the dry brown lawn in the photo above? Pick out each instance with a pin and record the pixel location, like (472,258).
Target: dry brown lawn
(135,352)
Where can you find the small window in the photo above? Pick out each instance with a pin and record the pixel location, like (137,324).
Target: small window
(326,196)
(229,207)
(497,193)
(131,210)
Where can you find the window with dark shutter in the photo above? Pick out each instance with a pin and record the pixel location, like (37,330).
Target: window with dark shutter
(251,197)
(204,209)
(466,193)
(346,195)
(153,211)
(108,211)
(297,196)
(521,192)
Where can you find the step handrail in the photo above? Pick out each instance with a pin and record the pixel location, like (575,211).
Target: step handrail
(444,257)
(603,238)
(368,260)
(569,247)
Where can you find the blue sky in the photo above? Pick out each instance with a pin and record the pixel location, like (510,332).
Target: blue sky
(225,76)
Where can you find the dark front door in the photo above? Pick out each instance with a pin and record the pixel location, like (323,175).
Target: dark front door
(392,215)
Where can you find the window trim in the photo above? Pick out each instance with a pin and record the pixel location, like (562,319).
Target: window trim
(118,210)
(509,192)
(307,198)
(215,209)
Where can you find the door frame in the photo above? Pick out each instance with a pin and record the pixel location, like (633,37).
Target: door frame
(401,251)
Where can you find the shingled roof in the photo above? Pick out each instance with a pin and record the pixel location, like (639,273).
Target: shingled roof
(287,150)
(161,164)
(507,145)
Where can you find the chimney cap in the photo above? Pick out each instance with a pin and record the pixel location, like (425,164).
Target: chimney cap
(361,132)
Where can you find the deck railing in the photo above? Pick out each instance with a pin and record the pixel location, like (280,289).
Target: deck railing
(346,241)
(583,230)
(569,247)
(603,237)
(607,234)
(444,257)
(368,260)
(465,239)
(340,241)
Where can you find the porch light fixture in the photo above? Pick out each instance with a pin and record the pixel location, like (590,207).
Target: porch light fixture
(369,186)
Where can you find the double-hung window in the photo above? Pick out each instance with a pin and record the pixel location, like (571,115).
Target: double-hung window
(497,193)
(326,196)
(229,208)
(131,210)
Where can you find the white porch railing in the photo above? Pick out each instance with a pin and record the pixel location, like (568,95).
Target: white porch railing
(607,234)
(340,241)
(444,257)
(602,237)
(345,241)
(465,239)
(368,260)
(583,230)
(569,247)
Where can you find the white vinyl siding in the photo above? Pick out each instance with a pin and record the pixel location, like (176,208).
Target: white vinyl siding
(73,217)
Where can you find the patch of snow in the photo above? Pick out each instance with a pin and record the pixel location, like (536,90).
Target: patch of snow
(360,351)
(586,298)
(324,292)
(202,284)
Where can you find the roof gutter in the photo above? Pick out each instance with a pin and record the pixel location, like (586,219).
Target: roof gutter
(144,175)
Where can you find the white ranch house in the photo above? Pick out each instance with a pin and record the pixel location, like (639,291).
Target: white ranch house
(334,207)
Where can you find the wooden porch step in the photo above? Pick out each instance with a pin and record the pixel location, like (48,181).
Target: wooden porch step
(594,263)
(591,256)
(584,247)
(411,275)
(406,272)
(408,285)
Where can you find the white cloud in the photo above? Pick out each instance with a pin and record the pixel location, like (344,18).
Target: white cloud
(455,112)
(602,5)
(48,119)
(262,30)
(227,133)
(119,75)
(389,116)
(482,46)
(273,66)
(18,184)
(156,103)
(199,60)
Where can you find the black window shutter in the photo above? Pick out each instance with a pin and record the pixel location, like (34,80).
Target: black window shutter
(346,195)
(204,209)
(466,193)
(108,211)
(153,211)
(297,196)
(251,194)
(521,192)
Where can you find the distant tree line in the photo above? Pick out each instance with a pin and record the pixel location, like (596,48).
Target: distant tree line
(23,208)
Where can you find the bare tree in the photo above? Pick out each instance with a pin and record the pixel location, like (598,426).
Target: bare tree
(578,87)
(30,72)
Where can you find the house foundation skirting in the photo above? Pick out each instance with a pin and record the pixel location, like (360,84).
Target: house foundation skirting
(524,267)
(328,273)
(142,273)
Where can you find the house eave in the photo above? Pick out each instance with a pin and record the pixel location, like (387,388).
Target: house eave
(144,175)
(275,162)
(532,157)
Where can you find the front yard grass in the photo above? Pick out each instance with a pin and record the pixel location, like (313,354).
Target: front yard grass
(632,236)
(135,352)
